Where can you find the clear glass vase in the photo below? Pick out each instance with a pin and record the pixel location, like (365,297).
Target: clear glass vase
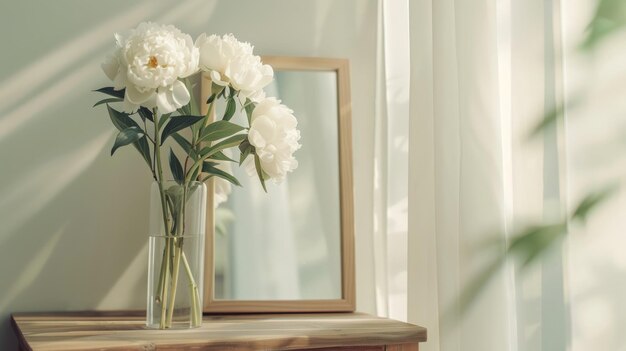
(176,255)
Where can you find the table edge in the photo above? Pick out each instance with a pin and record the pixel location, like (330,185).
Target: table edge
(419,336)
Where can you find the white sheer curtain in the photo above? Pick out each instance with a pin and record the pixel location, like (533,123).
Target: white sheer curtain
(462,82)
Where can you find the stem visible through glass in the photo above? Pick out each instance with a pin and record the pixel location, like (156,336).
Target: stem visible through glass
(173,250)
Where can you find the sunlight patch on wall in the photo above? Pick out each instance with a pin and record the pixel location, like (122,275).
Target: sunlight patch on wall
(20,201)
(36,106)
(198,11)
(29,79)
(33,77)
(131,283)
(32,270)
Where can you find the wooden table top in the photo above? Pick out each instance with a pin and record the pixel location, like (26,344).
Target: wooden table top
(121,331)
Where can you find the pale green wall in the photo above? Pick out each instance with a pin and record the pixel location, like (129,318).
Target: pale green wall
(73,220)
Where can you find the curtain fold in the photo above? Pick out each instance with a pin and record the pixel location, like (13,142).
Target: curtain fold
(479,79)
(391,161)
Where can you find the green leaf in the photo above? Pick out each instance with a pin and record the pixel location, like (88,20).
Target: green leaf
(163,119)
(196,128)
(196,111)
(145,113)
(178,123)
(548,120)
(259,171)
(220,156)
(184,143)
(127,136)
(453,314)
(231,107)
(246,149)
(249,107)
(216,88)
(119,119)
(144,149)
(176,168)
(592,200)
(195,174)
(211,98)
(552,116)
(185,110)
(112,92)
(219,130)
(609,18)
(122,121)
(210,168)
(174,196)
(224,144)
(535,240)
(526,246)
(108,101)
(194,106)
(221,90)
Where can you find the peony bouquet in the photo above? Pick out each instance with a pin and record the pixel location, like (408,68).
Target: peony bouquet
(151,102)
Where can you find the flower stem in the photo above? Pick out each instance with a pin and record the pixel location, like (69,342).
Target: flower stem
(165,262)
(157,151)
(196,315)
(173,252)
(178,249)
(175,269)
(196,144)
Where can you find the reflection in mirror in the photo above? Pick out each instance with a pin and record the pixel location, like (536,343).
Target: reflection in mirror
(286,245)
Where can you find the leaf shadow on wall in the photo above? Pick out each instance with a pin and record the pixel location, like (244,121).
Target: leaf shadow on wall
(75,233)
(74,219)
(67,256)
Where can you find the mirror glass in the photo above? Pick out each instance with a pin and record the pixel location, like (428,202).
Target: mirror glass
(286,244)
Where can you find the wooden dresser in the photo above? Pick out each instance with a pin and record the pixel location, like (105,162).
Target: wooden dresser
(121,331)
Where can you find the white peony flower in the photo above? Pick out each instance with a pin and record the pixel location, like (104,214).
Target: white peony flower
(258,96)
(274,135)
(148,63)
(230,61)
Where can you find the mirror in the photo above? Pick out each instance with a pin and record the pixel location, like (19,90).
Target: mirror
(291,249)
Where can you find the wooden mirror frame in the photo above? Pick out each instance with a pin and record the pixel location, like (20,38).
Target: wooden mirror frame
(347,301)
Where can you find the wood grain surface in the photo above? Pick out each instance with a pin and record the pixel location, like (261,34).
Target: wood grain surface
(117,331)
